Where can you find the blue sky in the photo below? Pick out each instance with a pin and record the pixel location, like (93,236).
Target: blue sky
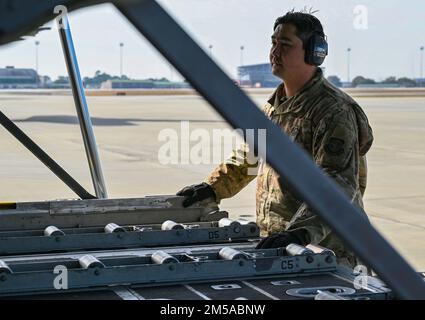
(388,45)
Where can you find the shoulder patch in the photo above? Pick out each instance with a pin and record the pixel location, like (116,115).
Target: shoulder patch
(335,146)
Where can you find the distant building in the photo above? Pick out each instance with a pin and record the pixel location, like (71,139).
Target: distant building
(143,84)
(17,78)
(346,84)
(62,82)
(44,81)
(258,75)
(420,82)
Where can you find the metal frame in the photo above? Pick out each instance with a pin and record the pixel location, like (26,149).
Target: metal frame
(296,167)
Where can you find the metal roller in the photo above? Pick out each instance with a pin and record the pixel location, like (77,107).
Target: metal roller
(171,225)
(228,253)
(319,249)
(88,262)
(226,222)
(53,231)
(4,268)
(113,228)
(296,250)
(245,222)
(162,257)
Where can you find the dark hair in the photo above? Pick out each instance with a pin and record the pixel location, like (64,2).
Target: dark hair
(306,24)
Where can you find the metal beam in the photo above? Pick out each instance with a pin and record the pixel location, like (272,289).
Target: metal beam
(86,125)
(99,212)
(298,170)
(44,157)
(19,18)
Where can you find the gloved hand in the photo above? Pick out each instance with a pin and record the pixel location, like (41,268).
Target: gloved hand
(278,240)
(196,193)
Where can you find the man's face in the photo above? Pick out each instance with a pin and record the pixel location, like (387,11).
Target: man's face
(287,53)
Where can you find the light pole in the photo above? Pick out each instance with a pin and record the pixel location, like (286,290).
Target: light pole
(421,73)
(37,43)
(348,64)
(240,65)
(121,55)
(210,47)
(171,73)
(242,49)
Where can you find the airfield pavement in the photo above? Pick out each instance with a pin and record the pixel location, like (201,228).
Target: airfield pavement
(127,130)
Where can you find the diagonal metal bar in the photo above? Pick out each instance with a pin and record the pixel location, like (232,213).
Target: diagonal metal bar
(295,166)
(44,157)
(81,107)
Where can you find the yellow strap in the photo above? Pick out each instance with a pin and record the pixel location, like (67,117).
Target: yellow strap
(7,205)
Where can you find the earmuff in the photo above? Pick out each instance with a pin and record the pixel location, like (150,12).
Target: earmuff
(316,49)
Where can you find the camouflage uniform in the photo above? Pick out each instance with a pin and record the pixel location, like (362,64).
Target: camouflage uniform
(331,127)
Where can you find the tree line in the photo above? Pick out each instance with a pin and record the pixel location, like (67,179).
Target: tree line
(390,81)
(98,78)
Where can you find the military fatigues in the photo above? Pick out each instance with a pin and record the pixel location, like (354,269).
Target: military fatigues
(329,126)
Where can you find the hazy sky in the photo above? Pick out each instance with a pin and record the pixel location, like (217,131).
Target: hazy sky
(385,38)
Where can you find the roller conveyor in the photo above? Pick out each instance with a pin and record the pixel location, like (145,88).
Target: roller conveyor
(54,239)
(19,276)
(224,272)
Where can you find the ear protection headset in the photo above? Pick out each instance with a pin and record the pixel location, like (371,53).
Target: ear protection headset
(316,49)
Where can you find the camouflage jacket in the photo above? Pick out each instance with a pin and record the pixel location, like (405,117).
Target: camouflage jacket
(332,128)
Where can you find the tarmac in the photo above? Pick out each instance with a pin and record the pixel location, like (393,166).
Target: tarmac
(128,129)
